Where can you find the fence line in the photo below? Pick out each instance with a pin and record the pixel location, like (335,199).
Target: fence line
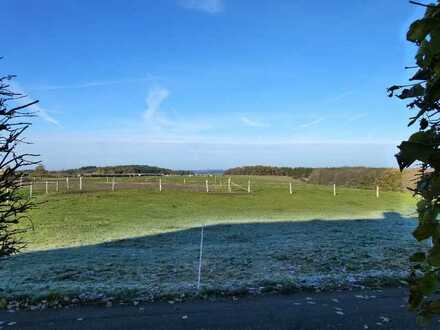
(211,185)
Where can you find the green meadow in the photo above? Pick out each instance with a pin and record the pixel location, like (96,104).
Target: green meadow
(141,243)
(91,217)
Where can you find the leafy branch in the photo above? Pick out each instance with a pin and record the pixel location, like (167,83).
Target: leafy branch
(423,147)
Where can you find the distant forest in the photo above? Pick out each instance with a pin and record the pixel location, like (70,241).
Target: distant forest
(355,177)
(120,170)
(294,172)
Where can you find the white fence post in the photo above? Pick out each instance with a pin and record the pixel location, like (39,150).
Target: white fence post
(57,186)
(113,184)
(207,186)
(229,185)
(290,188)
(334,189)
(67,184)
(199,275)
(377,191)
(80,183)
(160,184)
(47,187)
(249,186)
(184,181)
(30,190)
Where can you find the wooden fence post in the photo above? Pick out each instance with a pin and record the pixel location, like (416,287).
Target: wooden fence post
(30,190)
(67,184)
(199,275)
(113,184)
(334,189)
(229,185)
(377,191)
(290,188)
(207,186)
(80,183)
(160,184)
(47,187)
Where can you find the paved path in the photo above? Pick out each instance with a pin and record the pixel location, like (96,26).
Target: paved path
(337,310)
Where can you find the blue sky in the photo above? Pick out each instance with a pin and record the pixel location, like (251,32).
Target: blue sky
(210,83)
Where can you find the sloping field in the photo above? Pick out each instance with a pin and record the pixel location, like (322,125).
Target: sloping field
(146,244)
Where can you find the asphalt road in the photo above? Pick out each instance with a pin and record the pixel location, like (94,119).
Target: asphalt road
(336,310)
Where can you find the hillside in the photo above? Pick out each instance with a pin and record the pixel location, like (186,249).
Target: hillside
(355,177)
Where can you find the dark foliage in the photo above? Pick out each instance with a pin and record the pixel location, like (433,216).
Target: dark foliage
(423,148)
(14,120)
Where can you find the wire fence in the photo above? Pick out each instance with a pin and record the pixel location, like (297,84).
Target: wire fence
(214,184)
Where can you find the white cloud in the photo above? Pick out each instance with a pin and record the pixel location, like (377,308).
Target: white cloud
(312,123)
(89,84)
(339,97)
(251,123)
(154,100)
(35,108)
(208,6)
(356,117)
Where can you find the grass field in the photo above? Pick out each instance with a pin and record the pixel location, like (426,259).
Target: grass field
(146,243)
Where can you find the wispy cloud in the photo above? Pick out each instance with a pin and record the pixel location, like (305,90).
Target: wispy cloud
(89,84)
(35,108)
(339,97)
(207,6)
(154,100)
(357,117)
(163,124)
(312,123)
(251,123)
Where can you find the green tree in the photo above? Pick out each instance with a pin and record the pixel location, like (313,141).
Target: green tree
(13,205)
(422,147)
(39,171)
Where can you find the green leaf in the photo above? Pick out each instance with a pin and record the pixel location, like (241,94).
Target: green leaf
(419,29)
(414,91)
(423,320)
(417,257)
(415,296)
(424,230)
(422,74)
(433,91)
(433,307)
(434,257)
(427,137)
(428,284)
(421,205)
(412,151)
(392,89)
(419,114)
(435,185)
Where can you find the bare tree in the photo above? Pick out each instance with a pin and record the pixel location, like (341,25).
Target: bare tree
(14,120)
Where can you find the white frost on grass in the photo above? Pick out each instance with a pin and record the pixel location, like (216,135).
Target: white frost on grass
(315,254)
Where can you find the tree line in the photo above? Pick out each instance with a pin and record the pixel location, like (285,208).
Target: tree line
(354,177)
(40,171)
(294,172)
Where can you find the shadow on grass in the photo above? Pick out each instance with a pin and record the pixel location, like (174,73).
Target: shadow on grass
(243,256)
